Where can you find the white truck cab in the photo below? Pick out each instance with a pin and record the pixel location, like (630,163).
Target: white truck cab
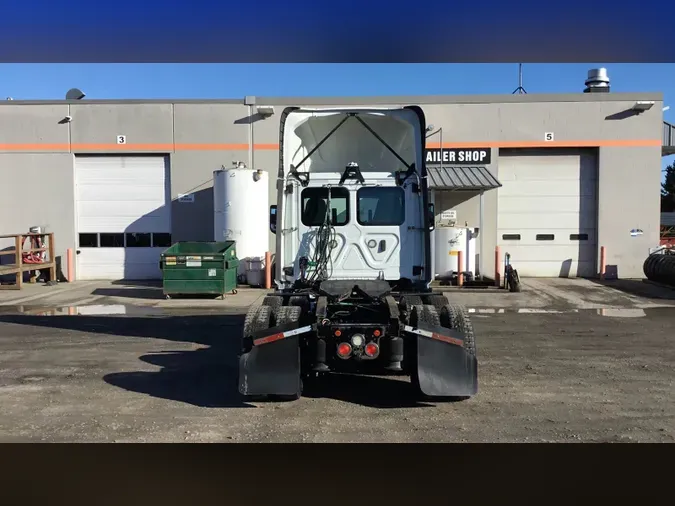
(352,196)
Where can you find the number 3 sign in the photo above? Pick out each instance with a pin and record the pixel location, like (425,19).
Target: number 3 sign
(121,139)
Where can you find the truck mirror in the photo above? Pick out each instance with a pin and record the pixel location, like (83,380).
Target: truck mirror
(431,216)
(273,219)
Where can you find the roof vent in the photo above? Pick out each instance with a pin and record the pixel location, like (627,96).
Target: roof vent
(597,81)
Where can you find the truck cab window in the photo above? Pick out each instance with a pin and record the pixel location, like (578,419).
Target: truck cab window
(315,200)
(381,206)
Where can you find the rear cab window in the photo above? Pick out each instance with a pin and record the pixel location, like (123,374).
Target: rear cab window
(380,206)
(314,203)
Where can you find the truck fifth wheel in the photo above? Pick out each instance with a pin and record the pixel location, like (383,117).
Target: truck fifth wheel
(353,262)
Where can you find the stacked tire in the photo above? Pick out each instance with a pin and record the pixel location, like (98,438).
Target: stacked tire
(660,269)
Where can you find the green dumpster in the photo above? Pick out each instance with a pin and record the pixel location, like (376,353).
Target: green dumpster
(203,268)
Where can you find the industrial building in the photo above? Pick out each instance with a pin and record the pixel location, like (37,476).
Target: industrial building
(549,179)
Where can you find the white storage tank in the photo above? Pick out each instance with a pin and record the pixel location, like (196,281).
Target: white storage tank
(449,241)
(241,214)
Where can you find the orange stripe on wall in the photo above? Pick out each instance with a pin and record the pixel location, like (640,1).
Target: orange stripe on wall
(634,143)
(169,147)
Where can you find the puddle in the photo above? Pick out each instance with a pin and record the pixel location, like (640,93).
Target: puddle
(609,312)
(83,310)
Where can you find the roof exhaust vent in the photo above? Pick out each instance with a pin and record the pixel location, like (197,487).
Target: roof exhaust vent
(597,81)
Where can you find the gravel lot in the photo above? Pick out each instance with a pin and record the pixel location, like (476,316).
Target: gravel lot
(170,376)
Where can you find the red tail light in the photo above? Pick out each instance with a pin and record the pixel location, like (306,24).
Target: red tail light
(376,332)
(344,350)
(338,333)
(372,349)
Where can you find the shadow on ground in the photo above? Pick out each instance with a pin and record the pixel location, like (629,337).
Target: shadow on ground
(205,377)
(208,377)
(370,391)
(639,288)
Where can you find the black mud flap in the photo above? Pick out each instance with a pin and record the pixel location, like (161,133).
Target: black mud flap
(444,367)
(272,367)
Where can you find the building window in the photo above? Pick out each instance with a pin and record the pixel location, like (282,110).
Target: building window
(545,237)
(511,237)
(377,206)
(314,202)
(578,237)
(137,240)
(88,240)
(112,240)
(161,240)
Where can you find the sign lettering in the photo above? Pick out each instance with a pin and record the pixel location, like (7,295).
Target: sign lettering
(459,156)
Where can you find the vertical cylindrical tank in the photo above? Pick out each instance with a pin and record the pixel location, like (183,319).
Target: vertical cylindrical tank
(449,241)
(241,212)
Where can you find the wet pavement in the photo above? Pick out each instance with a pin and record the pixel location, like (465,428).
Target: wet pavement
(117,373)
(565,360)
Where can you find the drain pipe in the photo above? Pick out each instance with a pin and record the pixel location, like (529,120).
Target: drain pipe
(249,100)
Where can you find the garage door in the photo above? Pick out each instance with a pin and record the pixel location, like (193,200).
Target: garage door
(123,216)
(547,213)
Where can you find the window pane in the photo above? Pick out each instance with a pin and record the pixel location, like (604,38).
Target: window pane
(578,237)
(161,240)
(88,240)
(138,240)
(315,200)
(545,237)
(511,237)
(381,206)
(112,240)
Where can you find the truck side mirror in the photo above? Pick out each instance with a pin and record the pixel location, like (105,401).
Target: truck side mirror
(273,219)
(431,217)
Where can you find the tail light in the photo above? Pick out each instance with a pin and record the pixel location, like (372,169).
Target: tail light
(372,349)
(344,350)
(377,333)
(338,333)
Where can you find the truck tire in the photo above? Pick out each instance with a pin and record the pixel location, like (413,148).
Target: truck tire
(257,318)
(300,301)
(411,301)
(438,301)
(273,301)
(457,317)
(287,314)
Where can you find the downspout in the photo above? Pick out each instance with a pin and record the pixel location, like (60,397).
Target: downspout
(250,102)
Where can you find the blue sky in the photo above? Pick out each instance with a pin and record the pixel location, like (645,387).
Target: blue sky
(51,81)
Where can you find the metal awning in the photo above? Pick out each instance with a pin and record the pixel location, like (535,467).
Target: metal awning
(461,178)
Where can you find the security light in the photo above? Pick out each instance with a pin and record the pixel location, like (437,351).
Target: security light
(642,105)
(265,110)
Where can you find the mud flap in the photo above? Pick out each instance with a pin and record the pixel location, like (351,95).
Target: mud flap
(272,367)
(444,367)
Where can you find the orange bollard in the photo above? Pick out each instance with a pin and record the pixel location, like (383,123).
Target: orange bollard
(268,270)
(498,266)
(603,262)
(460,268)
(69,267)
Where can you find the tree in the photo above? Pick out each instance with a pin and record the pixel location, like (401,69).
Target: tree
(668,190)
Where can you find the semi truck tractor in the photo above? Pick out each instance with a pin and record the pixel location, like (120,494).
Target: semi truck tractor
(353,271)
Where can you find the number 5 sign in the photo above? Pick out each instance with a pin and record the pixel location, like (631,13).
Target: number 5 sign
(548,136)
(121,139)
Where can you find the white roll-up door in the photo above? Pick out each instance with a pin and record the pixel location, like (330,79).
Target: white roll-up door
(123,216)
(547,213)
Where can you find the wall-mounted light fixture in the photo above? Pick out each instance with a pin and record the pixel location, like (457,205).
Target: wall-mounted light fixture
(265,110)
(642,105)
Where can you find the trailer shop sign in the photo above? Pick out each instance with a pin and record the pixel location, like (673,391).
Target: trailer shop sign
(459,156)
